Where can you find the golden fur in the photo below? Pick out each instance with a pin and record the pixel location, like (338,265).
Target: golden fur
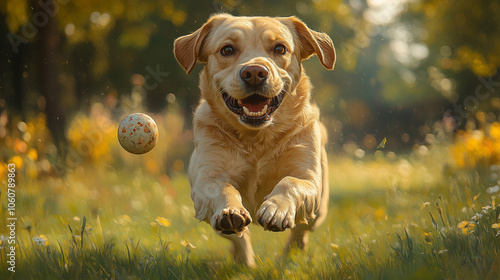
(273,170)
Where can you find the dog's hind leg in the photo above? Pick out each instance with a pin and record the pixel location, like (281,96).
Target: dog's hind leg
(299,238)
(241,248)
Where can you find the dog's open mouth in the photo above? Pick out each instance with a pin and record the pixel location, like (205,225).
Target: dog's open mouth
(255,109)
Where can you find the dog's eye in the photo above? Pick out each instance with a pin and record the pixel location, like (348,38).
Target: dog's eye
(227,50)
(280,49)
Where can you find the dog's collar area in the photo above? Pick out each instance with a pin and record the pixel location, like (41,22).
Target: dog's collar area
(255,109)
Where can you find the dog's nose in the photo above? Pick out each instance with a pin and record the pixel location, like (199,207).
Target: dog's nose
(254,75)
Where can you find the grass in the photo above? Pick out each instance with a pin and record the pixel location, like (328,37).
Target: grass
(101,224)
(409,216)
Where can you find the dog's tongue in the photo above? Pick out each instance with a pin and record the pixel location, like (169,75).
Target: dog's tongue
(255,107)
(255,102)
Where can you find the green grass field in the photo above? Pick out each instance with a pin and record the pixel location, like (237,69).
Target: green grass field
(414,216)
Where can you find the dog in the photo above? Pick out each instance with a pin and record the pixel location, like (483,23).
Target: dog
(259,146)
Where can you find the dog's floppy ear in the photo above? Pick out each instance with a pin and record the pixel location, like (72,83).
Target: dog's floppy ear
(187,48)
(312,42)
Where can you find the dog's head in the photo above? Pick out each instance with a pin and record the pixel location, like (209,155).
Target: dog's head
(253,63)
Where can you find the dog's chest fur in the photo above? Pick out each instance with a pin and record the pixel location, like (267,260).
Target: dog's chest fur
(262,175)
(263,167)
(257,162)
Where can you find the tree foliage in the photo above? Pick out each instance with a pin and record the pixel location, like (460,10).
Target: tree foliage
(400,64)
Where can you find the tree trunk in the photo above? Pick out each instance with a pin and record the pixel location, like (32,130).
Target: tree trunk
(18,64)
(80,60)
(49,59)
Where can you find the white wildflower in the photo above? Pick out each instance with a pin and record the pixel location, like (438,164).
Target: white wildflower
(41,240)
(476,217)
(493,189)
(3,240)
(486,209)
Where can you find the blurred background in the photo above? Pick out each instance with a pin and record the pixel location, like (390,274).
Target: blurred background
(406,70)
(412,112)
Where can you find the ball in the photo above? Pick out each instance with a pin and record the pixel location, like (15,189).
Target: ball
(138,133)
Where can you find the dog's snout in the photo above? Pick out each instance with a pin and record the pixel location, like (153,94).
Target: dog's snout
(254,75)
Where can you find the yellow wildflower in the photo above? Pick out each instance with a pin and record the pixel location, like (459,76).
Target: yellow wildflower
(186,244)
(466,227)
(477,147)
(380,215)
(428,237)
(496,225)
(476,196)
(18,161)
(33,154)
(122,220)
(334,246)
(162,221)
(495,130)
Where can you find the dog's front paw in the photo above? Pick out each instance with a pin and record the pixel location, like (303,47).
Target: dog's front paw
(276,214)
(231,220)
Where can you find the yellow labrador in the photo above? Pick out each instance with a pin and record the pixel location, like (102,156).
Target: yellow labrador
(259,145)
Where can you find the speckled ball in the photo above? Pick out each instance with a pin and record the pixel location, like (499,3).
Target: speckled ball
(138,133)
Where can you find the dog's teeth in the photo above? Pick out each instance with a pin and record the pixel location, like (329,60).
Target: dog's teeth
(239,102)
(255,114)
(264,110)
